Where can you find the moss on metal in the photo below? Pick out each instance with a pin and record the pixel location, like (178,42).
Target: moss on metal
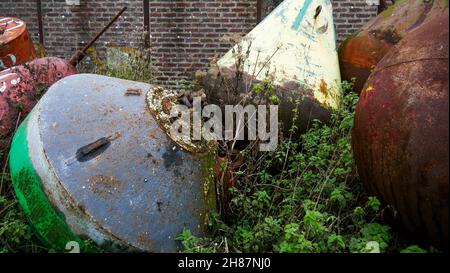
(388,12)
(208,173)
(47,222)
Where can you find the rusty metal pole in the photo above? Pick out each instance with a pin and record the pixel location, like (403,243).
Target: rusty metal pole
(78,56)
(104,29)
(41,29)
(146,24)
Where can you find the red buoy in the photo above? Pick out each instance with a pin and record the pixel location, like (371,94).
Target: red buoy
(401,131)
(361,52)
(22,86)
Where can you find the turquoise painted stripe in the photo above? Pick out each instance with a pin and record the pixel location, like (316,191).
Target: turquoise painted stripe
(301,14)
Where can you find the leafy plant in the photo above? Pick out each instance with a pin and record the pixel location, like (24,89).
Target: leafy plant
(15,233)
(414,249)
(191,243)
(267,89)
(304,197)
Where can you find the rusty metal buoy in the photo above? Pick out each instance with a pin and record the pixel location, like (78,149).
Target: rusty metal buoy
(16,46)
(360,53)
(92,160)
(22,86)
(401,131)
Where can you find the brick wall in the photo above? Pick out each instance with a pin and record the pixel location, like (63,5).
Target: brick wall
(351,15)
(184,34)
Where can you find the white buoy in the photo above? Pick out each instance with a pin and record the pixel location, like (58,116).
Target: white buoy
(292,55)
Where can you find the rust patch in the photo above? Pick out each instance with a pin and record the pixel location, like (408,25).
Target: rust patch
(167,105)
(389,35)
(159,204)
(160,101)
(143,239)
(133,92)
(105,186)
(324,88)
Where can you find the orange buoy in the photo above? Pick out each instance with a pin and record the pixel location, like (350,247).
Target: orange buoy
(360,53)
(16,46)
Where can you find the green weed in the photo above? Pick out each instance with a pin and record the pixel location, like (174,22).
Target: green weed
(304,197)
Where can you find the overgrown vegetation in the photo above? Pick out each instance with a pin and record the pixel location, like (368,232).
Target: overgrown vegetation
(304,197)
(16,234)
(129,64)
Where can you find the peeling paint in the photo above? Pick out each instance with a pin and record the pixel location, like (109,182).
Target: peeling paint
(16,45)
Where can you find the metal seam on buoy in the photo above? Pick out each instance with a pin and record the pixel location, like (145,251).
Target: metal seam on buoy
(409,61)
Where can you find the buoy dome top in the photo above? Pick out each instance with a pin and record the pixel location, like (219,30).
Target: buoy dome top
(10,29)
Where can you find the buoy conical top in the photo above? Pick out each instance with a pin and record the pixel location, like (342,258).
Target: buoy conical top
(294,45)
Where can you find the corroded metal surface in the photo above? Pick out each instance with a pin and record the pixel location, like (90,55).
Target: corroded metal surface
(226,166)
(400,138)
(135,191)
(16,46)
(360,53)
(5,122)
(22,86)
(160,102)
(293,48)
